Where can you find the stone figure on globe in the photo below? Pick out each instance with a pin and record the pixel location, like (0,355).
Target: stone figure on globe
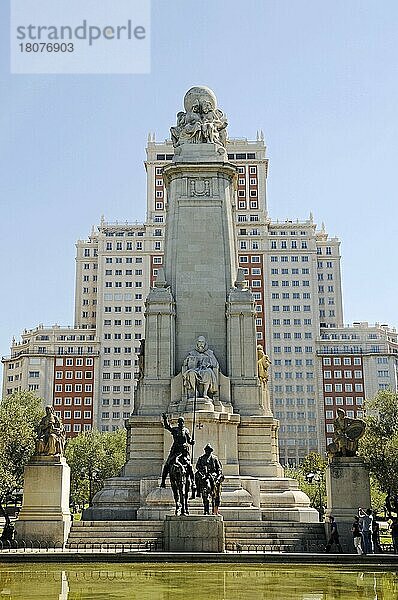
(200,370)
(202,122)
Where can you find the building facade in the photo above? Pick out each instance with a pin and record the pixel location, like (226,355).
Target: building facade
(60,365)
(293,270)
(356,361)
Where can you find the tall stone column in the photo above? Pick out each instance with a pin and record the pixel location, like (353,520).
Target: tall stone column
(157,358)
(200,253)
(247,394)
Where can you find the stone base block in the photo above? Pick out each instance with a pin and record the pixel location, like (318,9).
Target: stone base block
(44,531)
(194,534)
(118,500)
(348,488)
(45,515)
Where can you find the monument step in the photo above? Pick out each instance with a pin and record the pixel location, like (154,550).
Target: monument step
(282,534)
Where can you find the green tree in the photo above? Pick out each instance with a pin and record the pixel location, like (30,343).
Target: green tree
(379,445)
(92,457)
(310,475)
(20,414)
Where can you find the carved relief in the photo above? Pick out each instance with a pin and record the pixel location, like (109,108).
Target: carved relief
(200,187)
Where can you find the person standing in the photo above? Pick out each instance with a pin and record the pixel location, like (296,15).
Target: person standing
(394,534)
(376,534)
(365,523)
(357,536)
(334,536)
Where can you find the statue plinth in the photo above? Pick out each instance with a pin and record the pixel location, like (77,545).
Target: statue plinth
(194,533)
(45,516)
(348,488)
(200,153)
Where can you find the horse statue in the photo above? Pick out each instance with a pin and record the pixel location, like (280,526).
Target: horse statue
(181,480)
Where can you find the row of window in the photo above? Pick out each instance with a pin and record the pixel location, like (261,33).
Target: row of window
(128,233)
(250,218)
(293,245)
(298,362)
(77,414)
(115,415)
(106,389)
(304,271)
(118,297)
(289,389)
(287,283)
(118,350)
(296,335)
(282,232)
(117,375)
(252,169)
(337,374)
(77,428)
(243,245)
(73,374)
(294,401)
(242,181)
(246,259)
(287,322)
(299,415)
(288,349)
(67,387)
(286,295)
(291,443)
(127,322)
(339,400)
(118,336)
(118,363)
(347,360)
(348,387)
(294,307)
(118,260)
(119,284)
(76,401)
(120,272)
(116,401)
(298,428)
(297,375)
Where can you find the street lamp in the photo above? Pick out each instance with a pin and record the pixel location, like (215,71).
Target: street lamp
(316,479)
(92,476)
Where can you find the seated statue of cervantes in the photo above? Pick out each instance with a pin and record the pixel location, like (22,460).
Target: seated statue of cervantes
(200,370)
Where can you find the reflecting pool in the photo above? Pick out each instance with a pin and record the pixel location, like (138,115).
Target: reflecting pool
(193,582)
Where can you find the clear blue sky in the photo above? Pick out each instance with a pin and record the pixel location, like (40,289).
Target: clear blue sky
(320,78)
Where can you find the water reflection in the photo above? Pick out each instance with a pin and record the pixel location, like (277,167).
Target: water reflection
(200,582)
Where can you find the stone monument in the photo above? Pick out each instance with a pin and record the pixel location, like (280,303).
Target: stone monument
(347,478)
(45,516)
(200,346)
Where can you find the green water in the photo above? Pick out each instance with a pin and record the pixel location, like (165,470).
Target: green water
(193,582)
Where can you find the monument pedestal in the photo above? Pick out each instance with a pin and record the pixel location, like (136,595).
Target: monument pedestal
(45,516)
(194,533)
(348,488)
